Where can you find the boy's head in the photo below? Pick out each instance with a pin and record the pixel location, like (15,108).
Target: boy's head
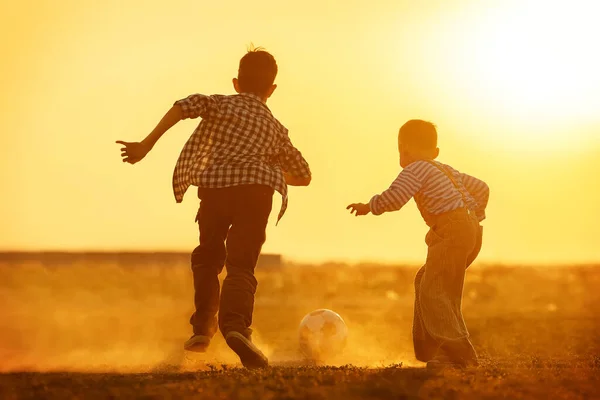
(417,140)
(256,73)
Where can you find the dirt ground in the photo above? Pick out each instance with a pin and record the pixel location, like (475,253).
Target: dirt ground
(95,330)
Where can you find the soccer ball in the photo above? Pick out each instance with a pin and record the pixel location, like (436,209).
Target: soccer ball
(322,335)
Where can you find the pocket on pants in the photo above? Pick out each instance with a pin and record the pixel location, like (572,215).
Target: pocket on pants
(433,236)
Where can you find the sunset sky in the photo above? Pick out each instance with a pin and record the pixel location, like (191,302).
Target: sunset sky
(513,86)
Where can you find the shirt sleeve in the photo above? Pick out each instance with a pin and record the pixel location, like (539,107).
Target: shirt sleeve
(291,160)
(480,192)
(195,105)
(399,193)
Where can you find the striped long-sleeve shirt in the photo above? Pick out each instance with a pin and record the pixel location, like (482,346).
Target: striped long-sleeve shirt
(433,191)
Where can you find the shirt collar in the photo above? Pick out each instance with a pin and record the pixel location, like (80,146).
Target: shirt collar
(253,96)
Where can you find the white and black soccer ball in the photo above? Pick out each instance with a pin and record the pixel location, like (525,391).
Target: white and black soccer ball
(323,334)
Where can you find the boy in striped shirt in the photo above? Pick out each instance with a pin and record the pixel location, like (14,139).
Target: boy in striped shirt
(452,205)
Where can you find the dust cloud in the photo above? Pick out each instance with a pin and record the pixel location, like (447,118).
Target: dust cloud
(130,314)
(97,315)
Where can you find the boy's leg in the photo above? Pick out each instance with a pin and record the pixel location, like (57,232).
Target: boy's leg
(208,260)
(425,346)
(442,285)
(462,349)
(246,237)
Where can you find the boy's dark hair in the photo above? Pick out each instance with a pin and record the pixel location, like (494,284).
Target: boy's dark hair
(257,71)
(418,134)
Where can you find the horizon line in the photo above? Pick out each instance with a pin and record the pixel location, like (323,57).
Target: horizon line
(284,258)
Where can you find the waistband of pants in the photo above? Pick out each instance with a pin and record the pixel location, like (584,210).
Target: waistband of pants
(441,219)
(237,189)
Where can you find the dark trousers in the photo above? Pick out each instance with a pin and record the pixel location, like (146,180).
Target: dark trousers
(232,223)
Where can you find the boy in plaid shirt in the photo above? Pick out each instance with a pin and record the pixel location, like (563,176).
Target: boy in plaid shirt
(452,204)
(237,157)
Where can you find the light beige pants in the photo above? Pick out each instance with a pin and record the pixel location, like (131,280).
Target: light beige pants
(453,241)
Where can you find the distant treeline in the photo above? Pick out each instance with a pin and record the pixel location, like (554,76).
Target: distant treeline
(56,258)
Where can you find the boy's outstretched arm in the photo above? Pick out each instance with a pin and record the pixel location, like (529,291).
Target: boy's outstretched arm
(399,193)
(294,180)
(136,151)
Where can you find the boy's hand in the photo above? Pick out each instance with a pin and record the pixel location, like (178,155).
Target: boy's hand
(359,208)
(133,151)
(296,180)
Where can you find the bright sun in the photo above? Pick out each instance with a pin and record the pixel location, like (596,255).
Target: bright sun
(535,63)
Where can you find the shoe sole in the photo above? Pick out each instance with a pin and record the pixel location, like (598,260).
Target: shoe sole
(437,366)
(196,348)
(197,344)
(250,356)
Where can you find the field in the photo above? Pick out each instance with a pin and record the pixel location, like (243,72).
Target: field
(113,327)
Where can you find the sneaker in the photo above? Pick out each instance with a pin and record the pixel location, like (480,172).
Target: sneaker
(460,352)
(197,343)
(445,359)
(441,361)
(249,354)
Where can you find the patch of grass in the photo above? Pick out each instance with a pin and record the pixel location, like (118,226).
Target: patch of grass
(310,383)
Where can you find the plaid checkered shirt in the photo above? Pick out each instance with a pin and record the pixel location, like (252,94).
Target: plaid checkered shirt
(238,142)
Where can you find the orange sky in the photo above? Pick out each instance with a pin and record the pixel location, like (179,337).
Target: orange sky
(513,87)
